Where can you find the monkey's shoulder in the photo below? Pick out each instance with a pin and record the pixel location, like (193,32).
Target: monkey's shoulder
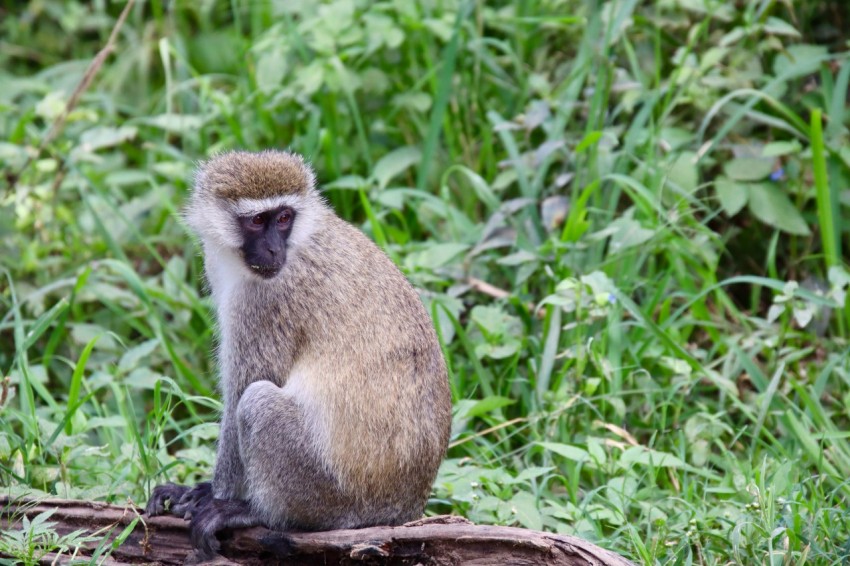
(344,265)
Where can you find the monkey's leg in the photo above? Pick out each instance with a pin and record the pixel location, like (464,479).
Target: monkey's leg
(288,483)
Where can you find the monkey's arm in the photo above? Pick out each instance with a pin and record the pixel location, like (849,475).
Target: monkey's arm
(229,473)
(228,478)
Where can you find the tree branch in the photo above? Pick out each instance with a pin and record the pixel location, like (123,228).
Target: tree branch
(444,540)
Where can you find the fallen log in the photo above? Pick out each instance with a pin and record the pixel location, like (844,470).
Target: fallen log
(444,540)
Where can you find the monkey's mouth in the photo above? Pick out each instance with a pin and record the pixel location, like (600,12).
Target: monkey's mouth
(265,271)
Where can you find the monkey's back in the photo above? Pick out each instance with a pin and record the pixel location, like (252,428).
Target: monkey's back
(370,370)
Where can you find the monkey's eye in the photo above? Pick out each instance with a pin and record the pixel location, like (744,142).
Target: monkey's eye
(258,220)
(285,217)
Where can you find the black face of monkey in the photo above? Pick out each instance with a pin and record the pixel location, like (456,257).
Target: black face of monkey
(264,238)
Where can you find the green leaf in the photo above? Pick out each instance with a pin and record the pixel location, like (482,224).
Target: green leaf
(517,258)
(492,320)
(838,276)
(772,206)
(732,196)
(568,451)
(826,197)
(444,85)
(348,182)
(442,28)
(136,354)
(310,78)
(271,68)
(649,457)
(780,27)
(76,383)
(105,136)
(43,323)
(175,123)
(143,378)
(488,405)
(114,421)
(124,177)
(620,491)
(82,333)
(532,473)
(497,351)
(416,101)
(592,138)
(594,446)
(124,535)
(800,60)
(392,198)
(525,507)
(436,255)
(844,154)
(776,149)
(683,172)
(625,233)
(394,163)
(5,447)
(748,168)
(482,190)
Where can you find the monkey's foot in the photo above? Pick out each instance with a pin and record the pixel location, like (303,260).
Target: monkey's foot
(194,499)
(214,516)
(179,500)
(164,497)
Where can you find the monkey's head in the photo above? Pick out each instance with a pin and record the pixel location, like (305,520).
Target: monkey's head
(258,206)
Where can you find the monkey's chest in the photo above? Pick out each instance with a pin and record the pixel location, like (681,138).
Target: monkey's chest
(263,350)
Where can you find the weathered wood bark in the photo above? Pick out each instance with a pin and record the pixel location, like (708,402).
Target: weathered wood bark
(438,541)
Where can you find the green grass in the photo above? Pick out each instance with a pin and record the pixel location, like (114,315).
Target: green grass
(626,218)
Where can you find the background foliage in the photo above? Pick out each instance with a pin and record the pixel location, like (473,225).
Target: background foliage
(624,216)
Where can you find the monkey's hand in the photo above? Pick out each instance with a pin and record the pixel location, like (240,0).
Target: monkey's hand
(193,499)
(179,500)
(164,497)
(214,516)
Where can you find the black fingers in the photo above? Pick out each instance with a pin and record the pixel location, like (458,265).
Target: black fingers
(208,515)
(214,516)
(164,497)
(193,500)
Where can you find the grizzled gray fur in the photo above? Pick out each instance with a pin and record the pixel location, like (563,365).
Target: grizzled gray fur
(336,401)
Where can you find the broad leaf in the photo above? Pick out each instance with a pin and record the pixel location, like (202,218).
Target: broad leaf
(775,149)
(683,172)
(394,163)
(732,196)
(748,168)
(568,451)
(488,405)
(772,206)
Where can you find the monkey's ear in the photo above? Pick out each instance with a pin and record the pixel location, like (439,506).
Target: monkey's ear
(211,220)
(278,543)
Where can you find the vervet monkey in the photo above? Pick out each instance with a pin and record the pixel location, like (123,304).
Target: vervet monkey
(336,401)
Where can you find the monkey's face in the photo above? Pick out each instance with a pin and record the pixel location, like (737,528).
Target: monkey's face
(264,239)
(254,210)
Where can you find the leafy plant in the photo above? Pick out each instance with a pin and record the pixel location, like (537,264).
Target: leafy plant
(37,538)
(623,216)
